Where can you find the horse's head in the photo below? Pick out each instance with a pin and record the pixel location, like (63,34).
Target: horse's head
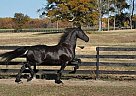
(71,34)
(81,34)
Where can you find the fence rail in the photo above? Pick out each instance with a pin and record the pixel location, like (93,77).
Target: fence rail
(115,57)
(33,30)
(98,63)
(54,30)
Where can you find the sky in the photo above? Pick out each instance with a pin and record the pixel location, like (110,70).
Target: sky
(28,7)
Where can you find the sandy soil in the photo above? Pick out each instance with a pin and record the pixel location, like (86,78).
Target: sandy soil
(71,82)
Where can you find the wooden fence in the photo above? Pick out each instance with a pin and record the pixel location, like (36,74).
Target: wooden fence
(97,63)
(61,30)
(54,30)
(128,56)
(33,30)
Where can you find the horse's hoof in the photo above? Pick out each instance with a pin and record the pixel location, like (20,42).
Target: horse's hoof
(18,81)
(58,81)
(29,79)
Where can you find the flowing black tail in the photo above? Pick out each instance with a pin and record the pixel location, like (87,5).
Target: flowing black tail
(7,57)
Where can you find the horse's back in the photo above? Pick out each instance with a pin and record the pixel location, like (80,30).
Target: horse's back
(48,54)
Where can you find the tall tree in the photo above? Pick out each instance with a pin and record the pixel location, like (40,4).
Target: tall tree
(108,10)
(118,7)
(82,11)
(100,14)
(19,20)
(132,4)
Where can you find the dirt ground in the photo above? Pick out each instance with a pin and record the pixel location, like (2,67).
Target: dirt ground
(70,82)
(41,87)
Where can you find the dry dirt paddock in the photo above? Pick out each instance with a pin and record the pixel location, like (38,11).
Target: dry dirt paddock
(69,82)
(41,87)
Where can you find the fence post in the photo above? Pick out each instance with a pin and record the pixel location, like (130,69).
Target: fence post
(97,63)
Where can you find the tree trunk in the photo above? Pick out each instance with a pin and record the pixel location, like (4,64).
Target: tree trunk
(108,16)
(114,23)
(100,16)
(132,13)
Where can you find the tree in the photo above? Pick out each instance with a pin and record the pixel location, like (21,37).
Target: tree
(6,23)
(132,7)
(82,11)
(118,7)
(19,20)
(134,21)
(100,14)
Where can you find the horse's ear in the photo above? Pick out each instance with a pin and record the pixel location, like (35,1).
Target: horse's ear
(77,25)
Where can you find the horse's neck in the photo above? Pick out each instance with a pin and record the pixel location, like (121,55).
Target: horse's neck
(71,45)
(70,42)
(68,38)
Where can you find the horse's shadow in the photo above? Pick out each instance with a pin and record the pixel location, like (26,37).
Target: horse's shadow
(49,76)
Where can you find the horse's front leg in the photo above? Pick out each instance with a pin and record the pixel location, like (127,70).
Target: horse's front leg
(76,62)
(59,73)
(19,73)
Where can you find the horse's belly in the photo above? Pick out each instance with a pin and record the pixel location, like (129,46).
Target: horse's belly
(56,59)
(52,62)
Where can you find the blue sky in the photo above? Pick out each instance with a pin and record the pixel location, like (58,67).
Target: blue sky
(28,7)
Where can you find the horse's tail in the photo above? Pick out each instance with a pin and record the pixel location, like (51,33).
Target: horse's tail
(7,57)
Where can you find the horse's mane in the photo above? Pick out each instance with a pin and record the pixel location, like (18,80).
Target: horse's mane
(67,31)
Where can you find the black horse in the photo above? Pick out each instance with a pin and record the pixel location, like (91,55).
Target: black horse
(63,53)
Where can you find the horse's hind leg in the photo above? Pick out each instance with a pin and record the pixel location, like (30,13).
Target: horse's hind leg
(25,65)
(19,74)
(31,72)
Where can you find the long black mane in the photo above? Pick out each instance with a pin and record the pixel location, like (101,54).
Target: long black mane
(67,31)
